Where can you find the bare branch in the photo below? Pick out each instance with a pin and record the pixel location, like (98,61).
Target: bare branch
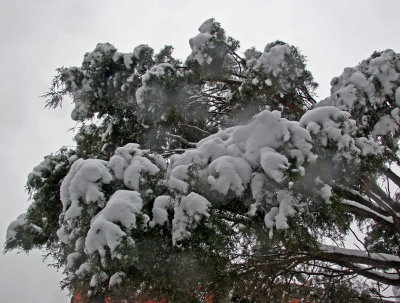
(183,140)
(392,176)
(195,127)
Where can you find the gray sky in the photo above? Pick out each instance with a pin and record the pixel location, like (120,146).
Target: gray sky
(37,36)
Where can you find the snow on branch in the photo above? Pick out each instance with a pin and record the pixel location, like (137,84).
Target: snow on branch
(381,260)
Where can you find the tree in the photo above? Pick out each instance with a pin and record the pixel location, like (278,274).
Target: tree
(221,175)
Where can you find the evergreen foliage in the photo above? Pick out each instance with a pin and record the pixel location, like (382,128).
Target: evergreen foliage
(220,176)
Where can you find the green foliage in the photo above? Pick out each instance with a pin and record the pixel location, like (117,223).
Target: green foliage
(41,221)
(167,106)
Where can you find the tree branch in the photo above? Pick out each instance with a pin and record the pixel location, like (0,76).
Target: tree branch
(183,140)
(392,176)
(195,127)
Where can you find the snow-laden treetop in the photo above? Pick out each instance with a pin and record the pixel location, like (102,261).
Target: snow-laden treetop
(221,157)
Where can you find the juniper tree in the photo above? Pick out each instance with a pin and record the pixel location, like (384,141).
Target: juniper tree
(220,175)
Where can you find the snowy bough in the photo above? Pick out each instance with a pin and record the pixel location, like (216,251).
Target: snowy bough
(221,175)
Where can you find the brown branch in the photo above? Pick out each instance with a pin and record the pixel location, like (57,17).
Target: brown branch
(366,272)
(195,127)
(291,106)
(183,140)
(238,75)
(365,213)
(348,195)
(378,191)
(308,96)
(340,255)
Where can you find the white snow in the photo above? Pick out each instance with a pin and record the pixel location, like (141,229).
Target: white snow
(368,147)
(352,203)
(325,192)
(274,164)
(201,42)
(98,278)
(359,253)
(188,210)
(269,218)
(116,279)
(156,73)
(199,45)
(207,26)
(45,165)
(178,177)
(131,164)
(116,217)
(364,92)
(118,165)
(187,213)
(136,169)
(71,260)
(105,231)
(229,160)
(11,230)
(84,270)
(127,61)
(160,210)
(229,173)
(63,234)
(329,124)
(272,61)
(384,126)
(82,185)
(384,68)
(286,209)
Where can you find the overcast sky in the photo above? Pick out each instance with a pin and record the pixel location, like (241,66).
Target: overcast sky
(38,36)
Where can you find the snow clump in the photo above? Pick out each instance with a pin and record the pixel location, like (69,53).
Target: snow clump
(370,93)
(249,155)
(201,42)
(105,231)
